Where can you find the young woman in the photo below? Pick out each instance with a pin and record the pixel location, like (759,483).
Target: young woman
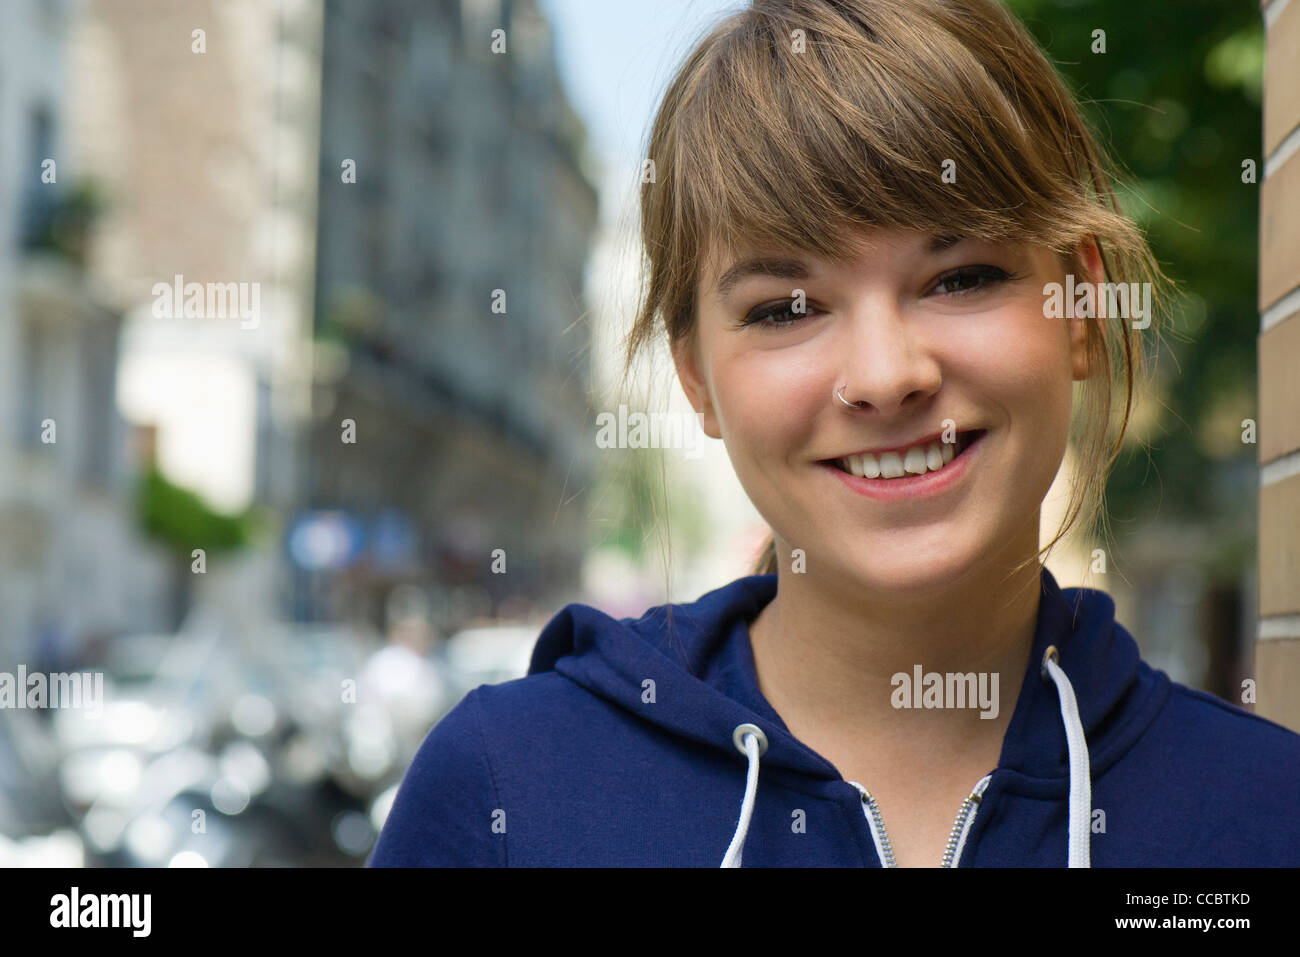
(854,218)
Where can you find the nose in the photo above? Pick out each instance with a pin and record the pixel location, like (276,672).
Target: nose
(886,363)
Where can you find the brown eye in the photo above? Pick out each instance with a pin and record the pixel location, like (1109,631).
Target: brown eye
(776,314)
(970,279)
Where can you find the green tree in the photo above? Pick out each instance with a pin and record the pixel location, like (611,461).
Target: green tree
(1175,98)
(180,520)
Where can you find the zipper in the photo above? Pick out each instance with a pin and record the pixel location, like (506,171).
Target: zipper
(961,827)
(956,839)
(877,824)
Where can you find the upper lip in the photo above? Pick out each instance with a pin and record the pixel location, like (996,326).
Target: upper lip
(879,450)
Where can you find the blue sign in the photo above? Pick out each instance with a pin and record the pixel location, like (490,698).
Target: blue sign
(325,540)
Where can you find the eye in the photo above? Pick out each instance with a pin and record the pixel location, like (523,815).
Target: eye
(968,279)
(780,313)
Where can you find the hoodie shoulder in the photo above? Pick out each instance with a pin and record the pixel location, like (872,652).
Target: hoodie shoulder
(1219,728)
(683,631)
(447,812)
(479,768)
(1218,785)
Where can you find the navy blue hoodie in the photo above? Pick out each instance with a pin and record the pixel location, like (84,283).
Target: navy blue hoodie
(585,763)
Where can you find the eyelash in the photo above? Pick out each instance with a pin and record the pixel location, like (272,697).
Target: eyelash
(989,276)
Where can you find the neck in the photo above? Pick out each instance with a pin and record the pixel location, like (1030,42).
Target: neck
(826,654)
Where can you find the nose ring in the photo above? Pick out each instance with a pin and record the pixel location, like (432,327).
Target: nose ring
(852,405)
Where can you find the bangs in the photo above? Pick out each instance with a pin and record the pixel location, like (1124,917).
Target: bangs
(802,130)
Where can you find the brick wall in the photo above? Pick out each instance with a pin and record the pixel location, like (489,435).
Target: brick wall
(1277,649)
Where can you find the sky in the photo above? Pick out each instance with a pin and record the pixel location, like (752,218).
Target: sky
(615,58)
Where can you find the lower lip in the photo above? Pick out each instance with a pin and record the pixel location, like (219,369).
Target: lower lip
(913,486)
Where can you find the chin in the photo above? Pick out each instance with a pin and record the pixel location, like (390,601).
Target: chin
(926,569)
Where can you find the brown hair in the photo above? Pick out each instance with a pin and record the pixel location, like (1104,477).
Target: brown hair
(798,123)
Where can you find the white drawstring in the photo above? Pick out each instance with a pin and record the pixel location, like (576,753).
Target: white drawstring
(750,741)
(1080,775)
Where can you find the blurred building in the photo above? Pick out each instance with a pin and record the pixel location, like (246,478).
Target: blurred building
(455,221)
(199,122)
(73,568)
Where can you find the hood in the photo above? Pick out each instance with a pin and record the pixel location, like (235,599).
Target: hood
(1081,685)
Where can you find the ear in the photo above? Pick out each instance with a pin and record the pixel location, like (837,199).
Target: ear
(1089,256)
(686,359)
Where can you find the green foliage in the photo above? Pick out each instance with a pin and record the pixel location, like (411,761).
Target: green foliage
(66,223)
(634,507)
(354,312)
(623,507)
(1176,101)
(182,521)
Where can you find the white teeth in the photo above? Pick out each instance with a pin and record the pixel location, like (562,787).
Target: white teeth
(891,465)
(914,461)
(917,460)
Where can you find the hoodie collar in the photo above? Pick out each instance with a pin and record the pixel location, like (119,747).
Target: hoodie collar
(1101,660)
(690,670)
(686,668)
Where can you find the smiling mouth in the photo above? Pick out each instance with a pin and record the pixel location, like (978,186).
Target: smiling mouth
(914,461)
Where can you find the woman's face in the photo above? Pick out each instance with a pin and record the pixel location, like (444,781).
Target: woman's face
(933,338)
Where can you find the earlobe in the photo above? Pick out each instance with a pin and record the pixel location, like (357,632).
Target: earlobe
(697,390)
(1080,364)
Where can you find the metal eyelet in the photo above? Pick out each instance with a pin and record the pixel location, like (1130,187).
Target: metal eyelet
(738,738)
(1049,654)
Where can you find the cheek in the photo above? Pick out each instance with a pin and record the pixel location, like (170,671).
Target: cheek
(1027,368)
(769,401)
(1037,368)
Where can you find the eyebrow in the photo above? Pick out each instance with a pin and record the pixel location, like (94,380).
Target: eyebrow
(785,268)
(780,268)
